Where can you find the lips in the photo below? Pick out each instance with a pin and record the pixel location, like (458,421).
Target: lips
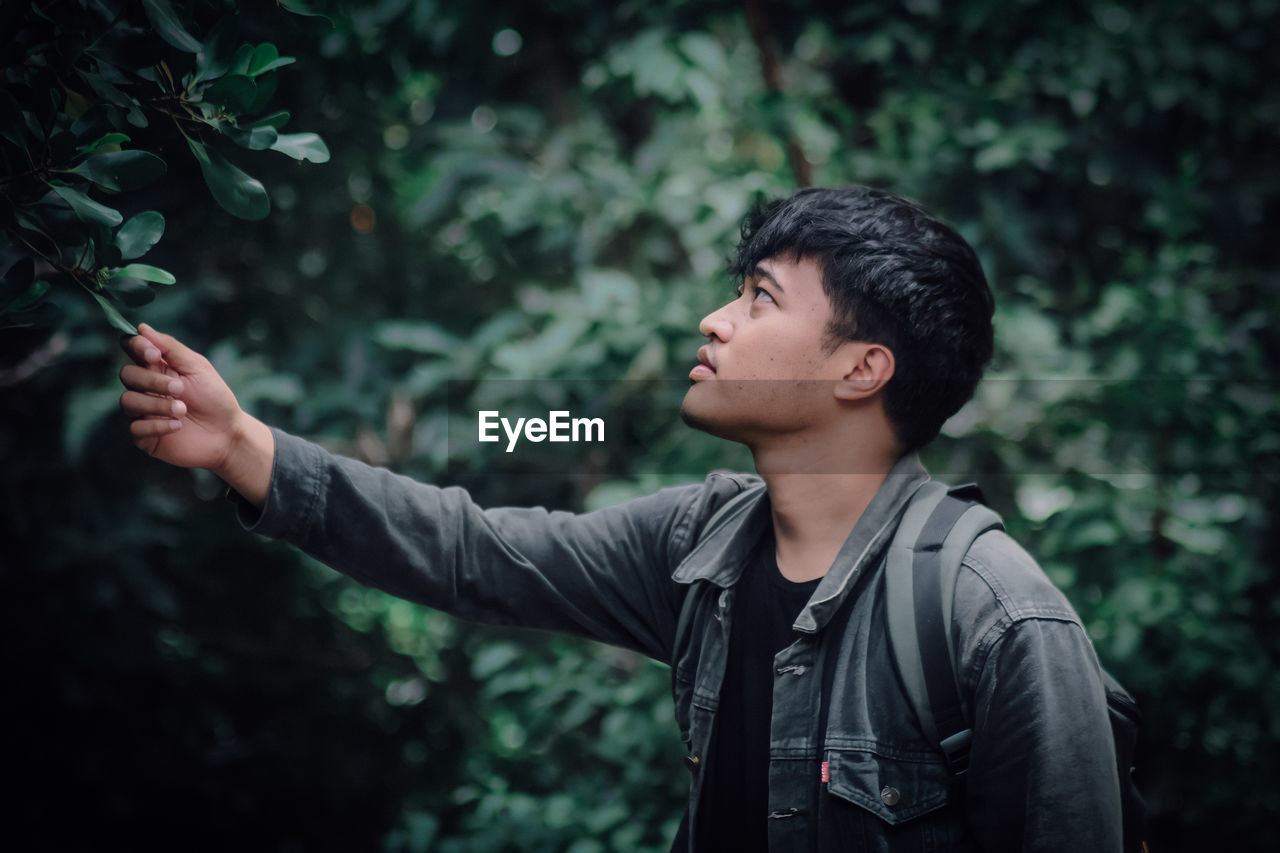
(705,368)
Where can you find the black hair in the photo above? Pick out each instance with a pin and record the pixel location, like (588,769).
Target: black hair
(896,276)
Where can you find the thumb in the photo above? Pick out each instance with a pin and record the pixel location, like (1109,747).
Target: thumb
(177,354)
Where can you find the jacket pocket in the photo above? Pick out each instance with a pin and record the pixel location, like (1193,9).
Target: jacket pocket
(895,802)
(893,789)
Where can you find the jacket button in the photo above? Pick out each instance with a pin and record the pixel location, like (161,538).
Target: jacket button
(890,796)
(692,762)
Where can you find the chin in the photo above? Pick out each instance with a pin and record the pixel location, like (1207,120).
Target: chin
(756,413)
(697,413)
(699,410)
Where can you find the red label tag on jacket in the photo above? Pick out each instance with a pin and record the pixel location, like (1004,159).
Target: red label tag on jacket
(826,772)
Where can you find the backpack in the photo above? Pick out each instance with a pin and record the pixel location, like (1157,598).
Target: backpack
(923,564)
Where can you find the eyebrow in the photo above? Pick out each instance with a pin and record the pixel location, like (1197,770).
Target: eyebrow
(764,273)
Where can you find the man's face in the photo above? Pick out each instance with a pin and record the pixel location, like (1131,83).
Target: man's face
(764,371)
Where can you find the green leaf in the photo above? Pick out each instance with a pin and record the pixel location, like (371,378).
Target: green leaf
(35,224)
(132,292)
(85,254)
(27,300)
(262,57)
(302,146)
(240,62)
(278,62)
(88,210)
(146,272)
(266,89)
(239,194)
(236,92)
(122,170)
(266,58)
(114,317)
(276,120)
(106,139)
(255,138)
(112,95)
(256,61)
(18,288)
(302,7)
(216,53)
(136,237)
(168,27)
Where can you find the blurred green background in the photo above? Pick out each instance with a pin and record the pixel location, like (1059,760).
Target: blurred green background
(549,191)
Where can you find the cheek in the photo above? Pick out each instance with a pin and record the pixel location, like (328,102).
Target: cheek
(797,358)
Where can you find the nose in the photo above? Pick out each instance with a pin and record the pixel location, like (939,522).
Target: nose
(717,324)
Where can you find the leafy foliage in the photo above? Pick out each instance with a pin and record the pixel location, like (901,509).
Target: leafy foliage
(548,194)
(84,79)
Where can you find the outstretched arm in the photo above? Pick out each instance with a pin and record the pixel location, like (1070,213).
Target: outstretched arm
(183,413)
(605,575)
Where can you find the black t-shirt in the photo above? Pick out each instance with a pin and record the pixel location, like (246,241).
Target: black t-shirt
(733,814)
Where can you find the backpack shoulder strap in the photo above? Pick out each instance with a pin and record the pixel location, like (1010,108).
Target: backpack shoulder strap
(920,579)
(924,562)
(900,609)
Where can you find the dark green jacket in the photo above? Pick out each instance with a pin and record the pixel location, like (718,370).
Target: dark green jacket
(1042,768)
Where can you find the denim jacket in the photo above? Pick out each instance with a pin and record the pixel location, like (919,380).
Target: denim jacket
(1042,767)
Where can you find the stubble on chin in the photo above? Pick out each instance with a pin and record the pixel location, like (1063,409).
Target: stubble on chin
(749,411)
(692,419)
(699,416)
(714,413)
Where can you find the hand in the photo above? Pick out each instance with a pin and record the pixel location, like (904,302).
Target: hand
(183,413)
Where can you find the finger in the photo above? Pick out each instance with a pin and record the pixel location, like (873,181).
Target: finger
(177,354)
(140,350)
(137,405)
(137,378)
(153,427)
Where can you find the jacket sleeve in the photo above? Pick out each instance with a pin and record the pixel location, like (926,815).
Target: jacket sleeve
(1042,773)
(605,575)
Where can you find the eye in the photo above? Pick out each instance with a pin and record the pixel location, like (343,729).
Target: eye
(758,293)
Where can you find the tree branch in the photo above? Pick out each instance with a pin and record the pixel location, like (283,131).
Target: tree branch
(771,70)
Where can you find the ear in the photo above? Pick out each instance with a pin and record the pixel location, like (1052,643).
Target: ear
(872,367)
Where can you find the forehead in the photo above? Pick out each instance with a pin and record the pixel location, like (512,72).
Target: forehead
(799,279)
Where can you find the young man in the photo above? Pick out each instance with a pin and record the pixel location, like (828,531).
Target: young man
(862,324)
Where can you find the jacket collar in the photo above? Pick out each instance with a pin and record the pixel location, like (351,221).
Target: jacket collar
(727,541)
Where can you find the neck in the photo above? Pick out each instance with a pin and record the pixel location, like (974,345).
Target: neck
(814,512)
